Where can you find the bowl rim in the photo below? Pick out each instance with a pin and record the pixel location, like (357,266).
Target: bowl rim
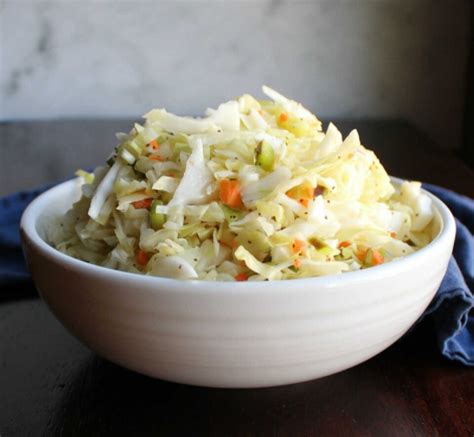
(35,209)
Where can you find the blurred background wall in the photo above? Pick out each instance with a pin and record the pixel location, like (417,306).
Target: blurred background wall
(342,58)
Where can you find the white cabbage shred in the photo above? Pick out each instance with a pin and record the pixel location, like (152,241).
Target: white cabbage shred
(256,190)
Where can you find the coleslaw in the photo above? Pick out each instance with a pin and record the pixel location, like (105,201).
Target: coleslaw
(255,190)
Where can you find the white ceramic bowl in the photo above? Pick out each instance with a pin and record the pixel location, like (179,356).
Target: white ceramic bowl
(247,334)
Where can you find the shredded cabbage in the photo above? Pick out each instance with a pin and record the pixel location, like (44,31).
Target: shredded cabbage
(256,190)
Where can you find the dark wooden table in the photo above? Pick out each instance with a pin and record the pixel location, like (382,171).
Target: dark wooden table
(52,385)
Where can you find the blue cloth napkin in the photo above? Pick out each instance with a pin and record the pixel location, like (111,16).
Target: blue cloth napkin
(12,264)
(450,308)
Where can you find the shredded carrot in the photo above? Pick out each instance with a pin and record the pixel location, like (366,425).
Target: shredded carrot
(304,202)
(241,277)
(370,257)
(393,234)
(297,263)
(156,158)
(140,204)
(283,117)
(154,144)
(302,193)
(142,257)
(361,254)
(297,246)
(225,244)
(230,193)
(344,244)
(377,257)
(309,191)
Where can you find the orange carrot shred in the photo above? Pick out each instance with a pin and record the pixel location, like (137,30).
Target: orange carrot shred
(307,191)
(297,263)
(140,204)
(283,117)
(297,246)
(304,202)
(229,192)
(344,244)
(156,158)
(361,254)
(302,193)
(377,257)
(241,277)
(154,144)
(142,257)
(393,234)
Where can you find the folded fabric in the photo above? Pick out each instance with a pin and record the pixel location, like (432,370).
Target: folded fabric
(450,308)
(12,264)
